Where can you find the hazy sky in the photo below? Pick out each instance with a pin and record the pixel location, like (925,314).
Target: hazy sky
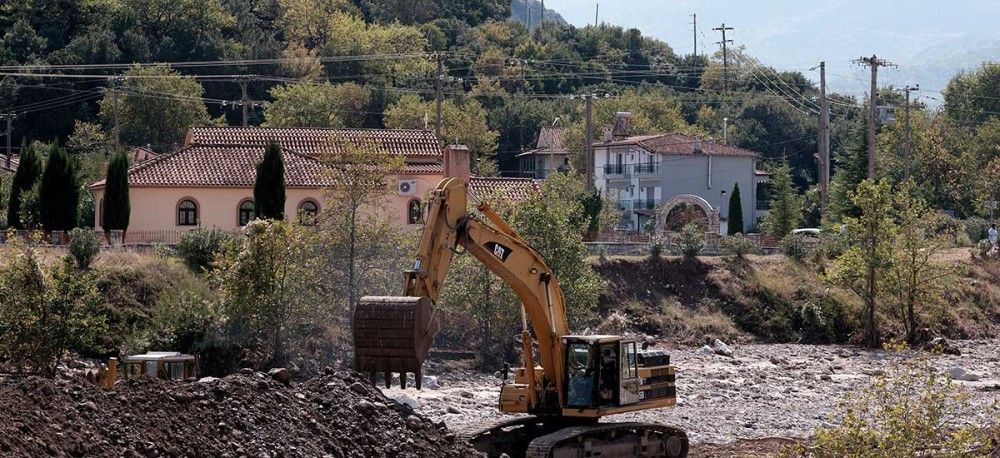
(930,40)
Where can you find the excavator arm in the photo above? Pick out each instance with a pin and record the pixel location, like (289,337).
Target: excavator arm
(394,334)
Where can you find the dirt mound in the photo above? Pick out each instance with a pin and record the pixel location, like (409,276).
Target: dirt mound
(247,414)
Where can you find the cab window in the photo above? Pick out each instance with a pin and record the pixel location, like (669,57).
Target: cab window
(580,372)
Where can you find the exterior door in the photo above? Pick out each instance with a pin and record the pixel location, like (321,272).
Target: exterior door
(629,389)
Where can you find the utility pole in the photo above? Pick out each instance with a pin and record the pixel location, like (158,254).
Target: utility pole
(824,141)
(438,94)
(542,21)
(874,62)
(527,14)
(10,132)
(906,132)
(597,12)
(725,55)
(245,101)
(114,98)
(590,140)
(694,31)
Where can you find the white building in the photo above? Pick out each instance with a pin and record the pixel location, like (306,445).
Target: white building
(651,174)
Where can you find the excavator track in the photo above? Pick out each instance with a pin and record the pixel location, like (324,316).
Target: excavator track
(538,437)
(611,440)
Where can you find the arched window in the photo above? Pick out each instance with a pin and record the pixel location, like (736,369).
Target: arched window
(414,212)
(308,209)
(187,213)
(245,212)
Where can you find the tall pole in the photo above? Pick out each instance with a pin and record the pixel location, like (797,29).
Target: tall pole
(590,140)
(597,12)
(438,95)
(824,140)
(117,130)
(542,20)
(725,55)
(874,62)
(694,31)
(906,132)
(527,14)
(245,102)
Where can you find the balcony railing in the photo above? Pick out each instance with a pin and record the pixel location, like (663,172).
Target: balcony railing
(616,169)
(647,168)
(643,204)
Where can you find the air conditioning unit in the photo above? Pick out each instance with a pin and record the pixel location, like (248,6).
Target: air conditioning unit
(407,187)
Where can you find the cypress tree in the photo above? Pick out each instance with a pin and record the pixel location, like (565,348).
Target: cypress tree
(58,193)
(735,225)
(29,167)
(116,208)
(269,187)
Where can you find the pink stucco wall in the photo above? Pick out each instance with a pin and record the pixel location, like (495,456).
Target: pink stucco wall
(155,209)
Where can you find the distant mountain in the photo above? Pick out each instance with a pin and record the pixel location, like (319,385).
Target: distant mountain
(517,12)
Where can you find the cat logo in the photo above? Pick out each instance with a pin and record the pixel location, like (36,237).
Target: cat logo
(500,251)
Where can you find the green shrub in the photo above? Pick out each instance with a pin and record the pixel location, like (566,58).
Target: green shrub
(84,245)
(199,247)
(975,228)
(912,410)
(738,246)
(656,247)
(794,246)
(691,240)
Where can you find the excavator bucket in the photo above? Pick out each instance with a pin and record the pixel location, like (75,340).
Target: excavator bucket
(393,334)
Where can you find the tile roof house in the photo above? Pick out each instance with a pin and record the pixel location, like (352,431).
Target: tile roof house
(549,156)
(650,174)
(209,181)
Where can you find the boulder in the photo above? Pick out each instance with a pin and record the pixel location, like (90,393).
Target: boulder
(430,382)
(407,401)
(958,373)
(282,375)
(720,348)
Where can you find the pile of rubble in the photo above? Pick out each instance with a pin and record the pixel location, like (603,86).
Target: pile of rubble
(246,414)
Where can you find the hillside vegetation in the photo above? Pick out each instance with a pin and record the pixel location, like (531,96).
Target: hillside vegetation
(774,299)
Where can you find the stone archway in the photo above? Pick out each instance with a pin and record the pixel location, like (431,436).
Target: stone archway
(711,212)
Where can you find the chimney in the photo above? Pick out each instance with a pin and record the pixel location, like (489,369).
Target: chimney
(457,162)
(622,120)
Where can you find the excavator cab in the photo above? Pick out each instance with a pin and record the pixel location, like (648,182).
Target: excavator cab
(601,372)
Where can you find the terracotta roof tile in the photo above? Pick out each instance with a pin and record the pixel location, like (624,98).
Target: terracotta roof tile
(678,144)
(223,167)
(414,144)
(513,189)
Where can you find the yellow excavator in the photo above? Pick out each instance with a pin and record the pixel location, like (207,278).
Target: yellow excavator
(579,379)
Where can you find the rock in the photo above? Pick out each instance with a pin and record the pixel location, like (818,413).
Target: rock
(941,344)
(429,382)
(720,348)
(825,377)
(183,397)
(413,423)
(407,401)
(453,409)
(281,375)
(466,394)
(359,388)
(707,349)
(207,380)
(958,373)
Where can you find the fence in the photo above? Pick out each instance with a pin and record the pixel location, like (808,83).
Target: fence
(136,238)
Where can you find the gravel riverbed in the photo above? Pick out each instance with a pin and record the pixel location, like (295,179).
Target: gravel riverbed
(764,390)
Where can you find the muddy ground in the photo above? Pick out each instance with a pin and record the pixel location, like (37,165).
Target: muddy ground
(765,394)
